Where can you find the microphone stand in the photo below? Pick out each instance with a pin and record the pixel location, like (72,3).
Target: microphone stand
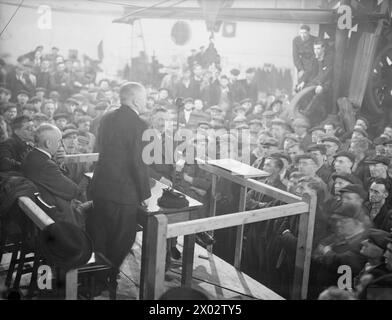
(179,102)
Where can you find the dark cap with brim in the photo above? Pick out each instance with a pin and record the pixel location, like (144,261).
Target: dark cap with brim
(347,177)
(23,92)
(317,147)
(355,188)
(379,237)
(378,159)
(331,139)
(346,210)
(69,132)
(346,154)
(61,115)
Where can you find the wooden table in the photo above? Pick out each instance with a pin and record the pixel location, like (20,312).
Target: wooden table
(149,257)
(227,168)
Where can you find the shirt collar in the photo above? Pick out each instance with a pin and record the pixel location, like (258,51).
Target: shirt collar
(45,152)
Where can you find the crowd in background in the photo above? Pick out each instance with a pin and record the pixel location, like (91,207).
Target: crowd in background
(348,169)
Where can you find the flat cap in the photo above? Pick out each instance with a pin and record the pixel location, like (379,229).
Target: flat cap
(61,115)
(379,237)
(238,108)
(347,177)
(69,126)
(355,188)
(80,110)
(281,155)
(379,141)
(205,123)
(378,159)
(69,132)
(235,72)
(318,147)
(364,120)
(245,100)
(215,108)
(317,128)
(282,123)
(301,122)
(241,126)
(346,154)
(40,89)
(269,141)
(40,116)
(72,101)
(256,121)
(29,106)
(23,92)
(35,99)
(305,156)
(269,114)
(389,141)
(292,137)
(304,27)
(346,210)
(5,90)
(330,138)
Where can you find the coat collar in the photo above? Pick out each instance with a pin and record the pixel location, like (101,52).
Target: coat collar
(125,107)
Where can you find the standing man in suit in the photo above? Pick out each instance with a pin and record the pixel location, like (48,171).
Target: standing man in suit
(121,180)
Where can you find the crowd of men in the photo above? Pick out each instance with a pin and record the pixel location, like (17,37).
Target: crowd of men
(54,106)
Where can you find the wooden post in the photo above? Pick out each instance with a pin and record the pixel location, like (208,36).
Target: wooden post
(212,205)
(71,285)
(340,48)
(304,249)
(240,231)
(157,257)
(187,260)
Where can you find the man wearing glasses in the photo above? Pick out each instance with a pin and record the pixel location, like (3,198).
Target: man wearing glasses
(14,149)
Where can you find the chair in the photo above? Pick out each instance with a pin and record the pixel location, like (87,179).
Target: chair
(25,246)
(93,271)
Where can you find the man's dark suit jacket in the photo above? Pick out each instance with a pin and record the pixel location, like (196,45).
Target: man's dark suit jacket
(55,188)
(121,175)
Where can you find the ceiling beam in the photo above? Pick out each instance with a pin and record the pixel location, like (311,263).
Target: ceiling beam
(316,16)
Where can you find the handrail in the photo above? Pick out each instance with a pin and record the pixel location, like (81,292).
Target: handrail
(34,212)
(253,184)
(81,157)
(234,219)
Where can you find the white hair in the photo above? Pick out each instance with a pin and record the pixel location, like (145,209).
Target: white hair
(129,91)
(45,131)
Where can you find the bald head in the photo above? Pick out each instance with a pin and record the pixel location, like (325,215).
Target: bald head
(48,138)
(133,94)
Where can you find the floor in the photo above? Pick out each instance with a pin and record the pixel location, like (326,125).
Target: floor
(212,275)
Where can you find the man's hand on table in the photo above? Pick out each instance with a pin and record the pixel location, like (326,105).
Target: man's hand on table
(166,181)
(188,178)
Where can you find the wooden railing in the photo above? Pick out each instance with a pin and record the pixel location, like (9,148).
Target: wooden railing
(306,208)
(83,157)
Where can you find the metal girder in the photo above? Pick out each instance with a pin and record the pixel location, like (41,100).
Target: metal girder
(316,16)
